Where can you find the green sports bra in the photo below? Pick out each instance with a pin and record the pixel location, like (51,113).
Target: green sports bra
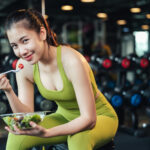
(67,93)
(66,98)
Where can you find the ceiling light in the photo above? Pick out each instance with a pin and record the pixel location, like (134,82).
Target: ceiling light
(66,7)
(121,22)
(135,10)
(101,15)
(148,16)
(145,27)
(87,1)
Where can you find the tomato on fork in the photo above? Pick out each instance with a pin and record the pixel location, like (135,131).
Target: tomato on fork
(21,66)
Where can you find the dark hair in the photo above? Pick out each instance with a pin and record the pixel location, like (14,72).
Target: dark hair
(34,21)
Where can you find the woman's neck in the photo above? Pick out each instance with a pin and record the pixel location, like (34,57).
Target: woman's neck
(49,55)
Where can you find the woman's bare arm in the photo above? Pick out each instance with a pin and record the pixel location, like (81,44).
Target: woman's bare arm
(78,73)
(25,99)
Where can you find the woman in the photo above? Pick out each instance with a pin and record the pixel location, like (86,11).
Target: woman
(84,117)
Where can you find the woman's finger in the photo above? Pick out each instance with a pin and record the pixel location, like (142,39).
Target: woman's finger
(36,130)
(16,129)
(33,124)
(3,81)
(1,76)
(11,131)
(5,84)
(7,128)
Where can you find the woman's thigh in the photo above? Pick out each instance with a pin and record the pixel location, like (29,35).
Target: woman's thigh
(21,142)
(103,132)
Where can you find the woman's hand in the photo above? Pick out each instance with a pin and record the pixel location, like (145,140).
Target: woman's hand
(36,130)
(4,83)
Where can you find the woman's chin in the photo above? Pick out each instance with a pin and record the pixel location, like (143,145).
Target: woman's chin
(32,62)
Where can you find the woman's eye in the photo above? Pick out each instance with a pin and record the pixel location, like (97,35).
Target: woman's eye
(14,46)
(25,41)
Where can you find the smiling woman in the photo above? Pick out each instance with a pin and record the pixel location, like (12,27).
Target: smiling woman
(84,118)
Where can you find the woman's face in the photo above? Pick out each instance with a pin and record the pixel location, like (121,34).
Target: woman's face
(26,44)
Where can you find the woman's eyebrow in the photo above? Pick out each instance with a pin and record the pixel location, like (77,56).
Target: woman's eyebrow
(22,38)
(19,39)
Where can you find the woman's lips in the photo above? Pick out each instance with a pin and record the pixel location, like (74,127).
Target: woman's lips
(28,58)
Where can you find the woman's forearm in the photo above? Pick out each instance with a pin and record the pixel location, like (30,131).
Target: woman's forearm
(15,103)
(72,127)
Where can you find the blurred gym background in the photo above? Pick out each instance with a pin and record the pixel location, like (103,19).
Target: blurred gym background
(114,38)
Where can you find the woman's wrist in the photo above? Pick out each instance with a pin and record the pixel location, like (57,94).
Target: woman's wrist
(47,133)
(8,90)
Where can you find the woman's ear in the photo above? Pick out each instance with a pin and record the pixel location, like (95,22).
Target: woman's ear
(43,33)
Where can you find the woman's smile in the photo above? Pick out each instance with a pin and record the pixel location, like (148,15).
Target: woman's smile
(28,58)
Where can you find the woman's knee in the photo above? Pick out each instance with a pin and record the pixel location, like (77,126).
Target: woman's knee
(14,142)
(21,142)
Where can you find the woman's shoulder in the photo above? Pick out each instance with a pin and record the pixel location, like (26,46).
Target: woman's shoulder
(71,56)
(72,59)
(27,71)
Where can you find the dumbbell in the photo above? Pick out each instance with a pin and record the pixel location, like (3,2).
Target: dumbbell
(87,58)
(4,106)
(138,62)
(121,63)
(102,63)
(10,61)
(132,98)
(43,104)
(114,97)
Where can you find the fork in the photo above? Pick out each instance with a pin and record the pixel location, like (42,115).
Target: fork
(14,71)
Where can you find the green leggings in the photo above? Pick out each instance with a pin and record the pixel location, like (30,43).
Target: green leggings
(103,132)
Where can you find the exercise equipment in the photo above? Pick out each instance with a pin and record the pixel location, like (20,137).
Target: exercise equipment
(120,63)
(138,62)
(10,61)
(43,104)
(114,97)
(133,98)
(87,58)
(46,105)
(101,62)
(4,105)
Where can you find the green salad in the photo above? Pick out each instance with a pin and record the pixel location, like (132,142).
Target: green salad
(22,122)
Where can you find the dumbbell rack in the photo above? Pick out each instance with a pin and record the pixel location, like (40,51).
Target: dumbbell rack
(121,80)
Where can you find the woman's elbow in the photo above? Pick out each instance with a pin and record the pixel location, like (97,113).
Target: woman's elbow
(92,123)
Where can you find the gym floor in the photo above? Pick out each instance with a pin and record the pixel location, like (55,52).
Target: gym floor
(125,141)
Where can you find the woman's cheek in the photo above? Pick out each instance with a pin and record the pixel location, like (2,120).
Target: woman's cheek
(30,46)
(16,53)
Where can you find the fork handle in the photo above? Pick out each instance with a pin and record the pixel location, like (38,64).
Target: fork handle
(6,72)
